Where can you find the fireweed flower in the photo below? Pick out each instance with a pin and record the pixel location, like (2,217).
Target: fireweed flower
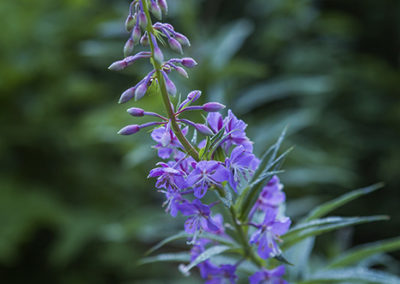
(221,159)
(199,219)
(205,174)
(265,276)
(267,234)
(271,196)
(241,164)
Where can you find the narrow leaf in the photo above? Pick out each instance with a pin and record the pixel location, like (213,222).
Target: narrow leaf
(361,252)
(351,274)
(329,206)
(167,257)
(184,235)
(290,240)
(212,251)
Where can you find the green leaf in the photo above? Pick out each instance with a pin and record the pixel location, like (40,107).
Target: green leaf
(184,235)
(351,274)
(291,239)
(329,206)
(269,155)
(361,252)
(212,251)
(180,235)
(166,257)
(269,165)
(314,223)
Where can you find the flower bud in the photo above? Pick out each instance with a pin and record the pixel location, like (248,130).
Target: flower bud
(144,40)
(130,23)
(141,90)
(188,62)
(134,111)
(169,85)
(158,55)
(128,48)
(213,107)
(182,39)
(156,10)
(142,20)
(203,129)
(181,71)
(194,95)
(163,5)
(127,95)
(136,34)
(118,65)
(130,129)
(175,45)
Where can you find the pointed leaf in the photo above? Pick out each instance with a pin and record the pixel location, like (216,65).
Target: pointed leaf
(361,252)
(212,251)
(351,274)
(290,240)
(329,206)
(166,257)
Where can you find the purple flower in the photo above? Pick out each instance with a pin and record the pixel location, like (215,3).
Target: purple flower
(215,121)
(167,141)
(241,164)
(268,233)
(211,273)
(270,197)
(174,199)
(269,276)
(225,273)
(168,177)
(237,128)
(199,219)
(205,174)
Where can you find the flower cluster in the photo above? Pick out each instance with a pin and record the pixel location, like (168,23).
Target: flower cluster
(222,162)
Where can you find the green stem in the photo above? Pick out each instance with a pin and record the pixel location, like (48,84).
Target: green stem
(164,93)
(243,239)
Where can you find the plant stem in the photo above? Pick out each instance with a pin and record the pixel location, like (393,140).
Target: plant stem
(243,239)
(164,93)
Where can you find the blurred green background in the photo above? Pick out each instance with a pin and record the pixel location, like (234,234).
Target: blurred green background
(75,206)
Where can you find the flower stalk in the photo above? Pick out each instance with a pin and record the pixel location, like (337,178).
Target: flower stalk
(163,89)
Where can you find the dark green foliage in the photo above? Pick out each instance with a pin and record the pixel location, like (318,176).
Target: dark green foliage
(75,206)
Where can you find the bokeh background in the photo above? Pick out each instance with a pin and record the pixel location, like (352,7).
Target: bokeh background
(75,204)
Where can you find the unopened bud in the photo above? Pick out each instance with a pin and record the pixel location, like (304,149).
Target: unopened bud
(156,10)
(171,88)
(188,62)
(203,129)
(130,23)
(175,45)
(181,71)
(158,55)
(144,40)
(163,5)
(128,48)
(136,34)
(194,95)
(182,39)
(134,111)
(213,107)
(130,129)
(142,20)
(118,65)
(127,95)
(141,90)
